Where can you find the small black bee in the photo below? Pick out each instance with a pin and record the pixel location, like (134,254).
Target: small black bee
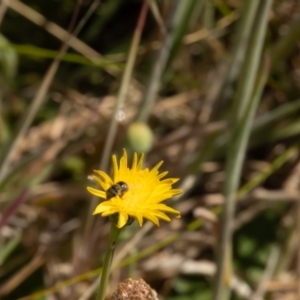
(117,189)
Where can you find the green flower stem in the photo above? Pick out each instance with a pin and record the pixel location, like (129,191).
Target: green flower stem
(113,237)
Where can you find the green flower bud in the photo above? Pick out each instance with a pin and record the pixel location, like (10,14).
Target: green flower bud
(140,137)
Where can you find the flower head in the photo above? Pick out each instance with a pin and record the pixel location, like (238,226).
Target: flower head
(141,196)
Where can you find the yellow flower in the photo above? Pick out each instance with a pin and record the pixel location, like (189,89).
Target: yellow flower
(143,199)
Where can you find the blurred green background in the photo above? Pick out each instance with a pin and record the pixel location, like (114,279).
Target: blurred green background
(78,83)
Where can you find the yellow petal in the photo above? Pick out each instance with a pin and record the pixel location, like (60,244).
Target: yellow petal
(123,161)
(152,218)
(165,208)
(156,167)
(103,206)
(100,182)
(170,180)
(163,174)
(134,161)
(115,166)
(140,162)
(162,216)
(139,219)
(106,179)
(98,193)
(123,218)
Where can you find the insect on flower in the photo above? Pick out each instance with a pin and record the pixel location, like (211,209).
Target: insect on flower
(118,189)
(143,195)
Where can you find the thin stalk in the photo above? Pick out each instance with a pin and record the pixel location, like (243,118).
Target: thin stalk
(246,104)
(113,237)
